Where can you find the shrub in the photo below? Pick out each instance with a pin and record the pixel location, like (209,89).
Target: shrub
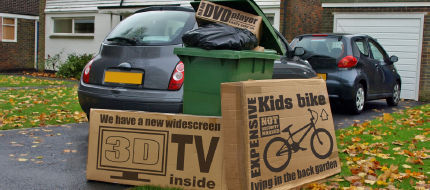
(74,65)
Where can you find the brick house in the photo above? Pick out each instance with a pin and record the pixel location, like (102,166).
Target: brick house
(18,34)
(401,26)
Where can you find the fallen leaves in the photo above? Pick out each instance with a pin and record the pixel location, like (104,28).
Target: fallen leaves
(40,107)
(30,80)
(22,159)
(69,151)
(387,118)
(387,152)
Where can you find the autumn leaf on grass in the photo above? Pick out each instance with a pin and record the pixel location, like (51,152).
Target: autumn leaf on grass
(355,139)
(397,142)
(416,175)
(409,153)
(353,179)
(421,138)
(369,182)
(387,118)
(377,137)
(422,185)
(417,161)
(385,156)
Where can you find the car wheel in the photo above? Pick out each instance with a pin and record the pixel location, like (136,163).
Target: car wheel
(394,100)
(356,105)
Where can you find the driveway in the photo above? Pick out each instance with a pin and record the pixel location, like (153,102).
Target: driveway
(372,110)
(55,157)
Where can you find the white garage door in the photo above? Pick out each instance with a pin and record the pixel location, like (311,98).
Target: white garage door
(400,34)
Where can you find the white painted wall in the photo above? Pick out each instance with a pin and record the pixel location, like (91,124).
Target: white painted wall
(55,44)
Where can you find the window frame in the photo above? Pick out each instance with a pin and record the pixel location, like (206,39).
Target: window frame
(73,33)
(15,29)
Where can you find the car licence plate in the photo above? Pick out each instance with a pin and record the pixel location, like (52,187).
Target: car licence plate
(123,77)
(322,75)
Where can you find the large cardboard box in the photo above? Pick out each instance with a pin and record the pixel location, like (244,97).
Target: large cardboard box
(278,134)
(217,13)
(139,148)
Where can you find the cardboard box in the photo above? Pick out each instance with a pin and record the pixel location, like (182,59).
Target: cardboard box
(140,148)
(278,134)
(217,13)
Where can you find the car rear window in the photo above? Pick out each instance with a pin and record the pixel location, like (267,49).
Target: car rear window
(153,28)
(329,46)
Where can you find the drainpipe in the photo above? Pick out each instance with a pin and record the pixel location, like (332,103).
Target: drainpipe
(120,5)
(284,23)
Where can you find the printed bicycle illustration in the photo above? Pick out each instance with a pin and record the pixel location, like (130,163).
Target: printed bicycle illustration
(283,154)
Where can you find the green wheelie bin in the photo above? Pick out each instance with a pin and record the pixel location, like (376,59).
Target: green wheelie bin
(205,70)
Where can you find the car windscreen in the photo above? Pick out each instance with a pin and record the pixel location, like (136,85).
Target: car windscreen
(152,28)
(329,46)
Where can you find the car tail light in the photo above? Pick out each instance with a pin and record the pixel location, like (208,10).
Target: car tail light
(177,78)
(347,62)
(86,72)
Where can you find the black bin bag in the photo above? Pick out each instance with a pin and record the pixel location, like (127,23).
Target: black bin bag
(216,36)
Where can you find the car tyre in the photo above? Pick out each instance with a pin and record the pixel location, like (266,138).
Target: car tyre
(356,105)
(395,98)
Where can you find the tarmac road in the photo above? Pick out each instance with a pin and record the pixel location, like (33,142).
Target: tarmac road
(55,157)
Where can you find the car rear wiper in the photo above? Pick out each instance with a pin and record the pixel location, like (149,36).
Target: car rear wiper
(128,40)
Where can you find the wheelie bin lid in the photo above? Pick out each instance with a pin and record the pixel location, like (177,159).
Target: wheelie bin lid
(269,38)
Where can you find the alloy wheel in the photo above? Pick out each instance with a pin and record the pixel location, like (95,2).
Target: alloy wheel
(359,99)
(396,93)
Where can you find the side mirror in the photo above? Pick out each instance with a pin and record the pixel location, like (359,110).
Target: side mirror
(299,51)
(394,59)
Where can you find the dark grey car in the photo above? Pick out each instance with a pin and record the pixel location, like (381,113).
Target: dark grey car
(356,68)
(140,46)
(137,70)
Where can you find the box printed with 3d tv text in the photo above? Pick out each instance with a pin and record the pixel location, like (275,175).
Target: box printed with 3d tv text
(142,148)
(278,134)
(217,13)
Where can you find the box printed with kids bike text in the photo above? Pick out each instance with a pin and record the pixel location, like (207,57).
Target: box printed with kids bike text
(278,134)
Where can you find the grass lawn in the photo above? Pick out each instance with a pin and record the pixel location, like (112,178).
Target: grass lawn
(25,108)
(22,81)
(390,152)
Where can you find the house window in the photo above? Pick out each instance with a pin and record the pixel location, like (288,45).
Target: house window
(74,25)
(9,27)
(271,18)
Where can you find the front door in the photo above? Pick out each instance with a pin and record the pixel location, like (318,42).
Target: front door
(380,60)
(369,67)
